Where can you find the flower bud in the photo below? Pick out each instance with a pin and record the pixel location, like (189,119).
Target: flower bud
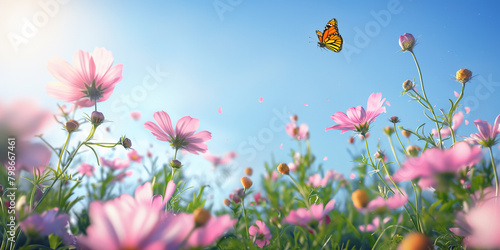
(249,171)
(283,169)
(201,217)
(388,130)
(379,155)
(416,241)
(351,140)
(406,42)
(406,133)
(413,150)
(408,85)
(359,198)
(394,119)
(246,182)
(96,118)
(175,164)
(463,76)
(294,118)
(72,125)
(126,142)
(226,202)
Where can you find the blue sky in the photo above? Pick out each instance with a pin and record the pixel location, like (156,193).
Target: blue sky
(222,53)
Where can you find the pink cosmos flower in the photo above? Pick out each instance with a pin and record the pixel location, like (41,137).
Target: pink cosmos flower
(32,156)
(374,226)
(261,232)
(49,222)
(86,169)
(206,235)
(217,160)
(487,135)
(91,80)
(303,216)
(380,204)
(299,133)
(317,181)
(434,161)
(183,137)
(136,115)
(115,164)
(457,120)
(258,198)
(119,177)
(125,224)
(144,195)
(480,226)
(134,156)
(357,118)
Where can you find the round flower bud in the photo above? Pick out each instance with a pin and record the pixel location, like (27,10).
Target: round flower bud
(126,142)
(394,119)
(72,125)
(226,202)
(413,150)
(388,130)
(416,241)
(407,41)
(201,217)
(408,85)
(96,118)
(359,198)
(351,140)
(249,171)
(463,76)
(283,169)
(406,133)
(175,164)
(294,118)
(246,182)
(379,155)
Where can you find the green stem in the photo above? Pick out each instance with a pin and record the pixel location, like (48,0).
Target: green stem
(393,150)
(453,108)
(427,100)
(494,171)
(399,139)
(244,212)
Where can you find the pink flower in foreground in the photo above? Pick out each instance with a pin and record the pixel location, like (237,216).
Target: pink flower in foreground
(487,135)
(91,80)
(303,216)
(144,195)
(356,118)
(381,204)
(258,198)
(115,164)
(134,156)
(86,169)
(457,120)
(299,133)
(31,156)
(136,115)
(49,222)
(433,162)
(206,235)
(261,233)
(217,160)
(481,226)
(374,226)
(183,137)
(124,224)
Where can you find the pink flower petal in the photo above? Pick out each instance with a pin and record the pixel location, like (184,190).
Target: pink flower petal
(325,158)
(305,104)
(281,146)
(261,100)
(467,110)
(220,110)
(456,93)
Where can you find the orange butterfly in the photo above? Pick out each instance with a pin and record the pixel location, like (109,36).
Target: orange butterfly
(330,38)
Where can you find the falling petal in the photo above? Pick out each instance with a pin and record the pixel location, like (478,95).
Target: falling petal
(261,100)
(352,176)
(388,103)
(327,99)
(456,93)
(466,122)
(467,110)
(281,146)
(326,158)
(220,110)
(305,104)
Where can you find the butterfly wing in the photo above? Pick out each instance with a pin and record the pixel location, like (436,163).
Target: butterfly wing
(334,42)
(330,29)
